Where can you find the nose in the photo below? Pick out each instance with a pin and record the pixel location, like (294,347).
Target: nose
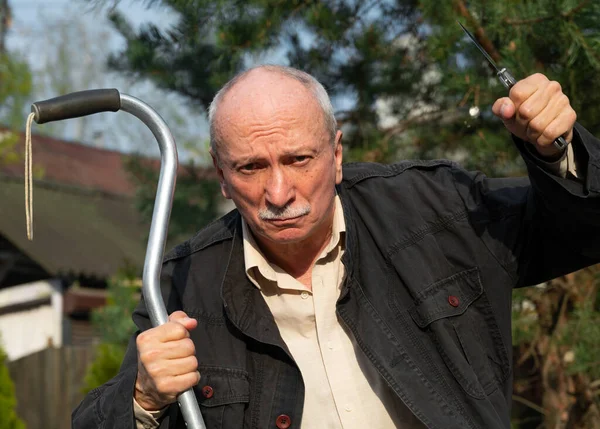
(279,189)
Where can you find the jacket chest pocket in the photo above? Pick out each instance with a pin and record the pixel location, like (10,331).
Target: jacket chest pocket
(457,317)
(223,395)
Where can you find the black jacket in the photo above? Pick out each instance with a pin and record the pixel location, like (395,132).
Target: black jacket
(432,254)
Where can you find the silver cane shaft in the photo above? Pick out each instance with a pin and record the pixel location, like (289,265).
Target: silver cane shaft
(158,234)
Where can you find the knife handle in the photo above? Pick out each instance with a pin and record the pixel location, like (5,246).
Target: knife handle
(506,78)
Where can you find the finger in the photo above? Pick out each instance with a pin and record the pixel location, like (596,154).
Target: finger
(184,319)
(170,331)
(177,315)
(533,106)
(538,124)
(178,349)
(562,125)
(174,385)
(504,108)
(522,90)
(187,381)
(163,352)
(183,366)
(159,371)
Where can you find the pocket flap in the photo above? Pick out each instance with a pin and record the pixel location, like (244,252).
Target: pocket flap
(447,297)
(221,386)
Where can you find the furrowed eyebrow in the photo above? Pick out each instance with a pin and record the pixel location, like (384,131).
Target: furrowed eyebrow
(299,151)
(245,161)
(286,154)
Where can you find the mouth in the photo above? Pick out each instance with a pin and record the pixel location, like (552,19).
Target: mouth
(279,221)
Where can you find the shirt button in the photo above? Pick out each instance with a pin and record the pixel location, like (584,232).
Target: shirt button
(283,421)
(453,301)
(348,407)
(329,345)
(304,295)
(208,392)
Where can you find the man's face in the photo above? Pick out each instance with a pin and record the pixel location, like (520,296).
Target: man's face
(277,162)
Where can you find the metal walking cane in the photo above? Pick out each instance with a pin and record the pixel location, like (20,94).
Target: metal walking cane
(85,103)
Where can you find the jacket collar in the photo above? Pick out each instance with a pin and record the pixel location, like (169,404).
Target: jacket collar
(243,302)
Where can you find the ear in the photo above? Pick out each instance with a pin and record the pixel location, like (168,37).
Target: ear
(338,152)
(222,182)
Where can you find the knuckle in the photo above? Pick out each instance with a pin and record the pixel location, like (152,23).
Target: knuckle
(163,386)
(143,338)
(573,116)
(517,93)
(189,347)
(154,369)
(549,134)
(526,112)
(147,357)
(178,330)
(554,86)
(535,126)
(177,315)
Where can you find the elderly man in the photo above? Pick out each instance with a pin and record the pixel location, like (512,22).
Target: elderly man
(360,295)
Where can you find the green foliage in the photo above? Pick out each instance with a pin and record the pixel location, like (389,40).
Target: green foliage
(195,202)
(8,142)
(525,327)
(8,401)
(113,321)
(115,326)
(105,366)
(581,337)
(15,86)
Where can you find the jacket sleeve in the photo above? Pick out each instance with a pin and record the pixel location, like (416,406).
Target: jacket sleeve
(542,226)
(111,405)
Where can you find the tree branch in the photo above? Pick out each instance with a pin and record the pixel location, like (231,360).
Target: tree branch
(479,34)
(529,404)
(565,14)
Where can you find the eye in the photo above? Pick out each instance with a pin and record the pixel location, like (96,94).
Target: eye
(249,167)
(301,159)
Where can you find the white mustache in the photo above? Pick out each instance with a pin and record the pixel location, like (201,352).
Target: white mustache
(287,212)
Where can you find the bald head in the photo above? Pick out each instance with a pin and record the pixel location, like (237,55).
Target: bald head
(278,85)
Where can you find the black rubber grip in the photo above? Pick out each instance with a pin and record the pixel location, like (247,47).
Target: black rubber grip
(76,104)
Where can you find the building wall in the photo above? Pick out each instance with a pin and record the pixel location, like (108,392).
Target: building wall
(30,318)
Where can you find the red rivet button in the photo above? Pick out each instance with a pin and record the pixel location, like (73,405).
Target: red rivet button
(208,392)
(453,301)
(283,421)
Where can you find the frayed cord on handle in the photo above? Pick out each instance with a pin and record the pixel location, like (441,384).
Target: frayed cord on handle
(29,178)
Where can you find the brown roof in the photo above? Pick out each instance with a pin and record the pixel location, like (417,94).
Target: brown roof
(74,231)
(75,164)
(85,222)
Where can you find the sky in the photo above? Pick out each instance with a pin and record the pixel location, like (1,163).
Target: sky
(36,32)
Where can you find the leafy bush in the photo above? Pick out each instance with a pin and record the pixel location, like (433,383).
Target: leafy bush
(115,326)
(8,400)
